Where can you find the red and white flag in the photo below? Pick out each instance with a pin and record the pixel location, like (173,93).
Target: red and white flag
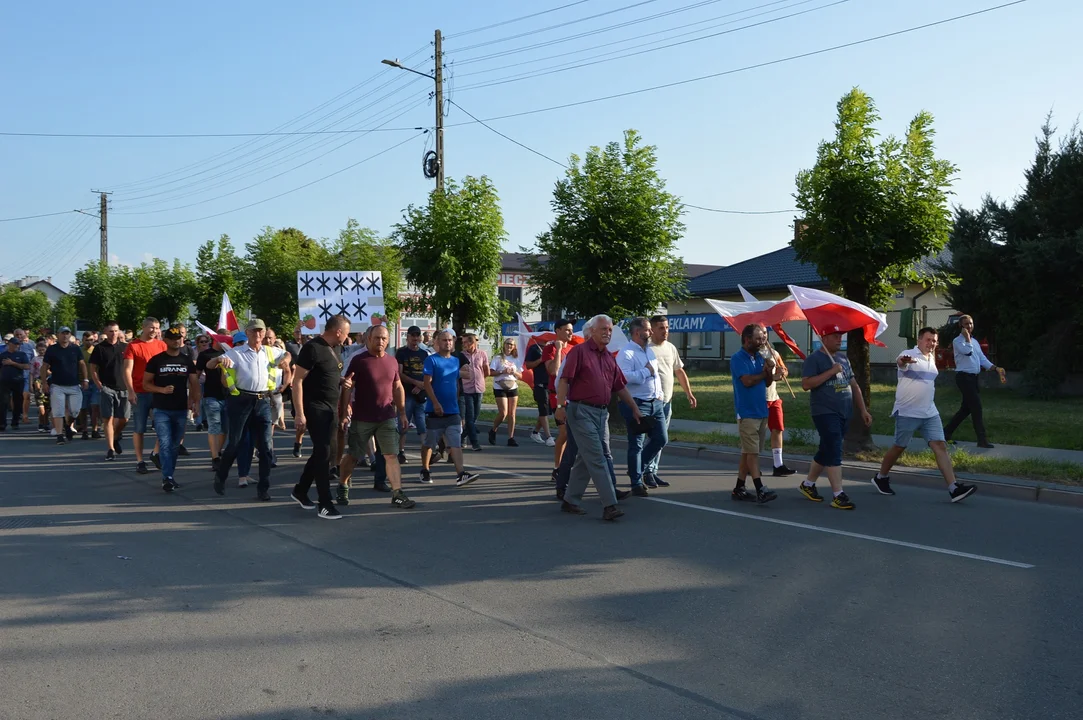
(777,327)
(222,339)
(769,313)
(226,318)
(830,313)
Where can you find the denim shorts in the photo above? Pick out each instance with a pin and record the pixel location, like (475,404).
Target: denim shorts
(214,412)
(448,427)
(930,428)
(832,429)
(141,412)
(91,396)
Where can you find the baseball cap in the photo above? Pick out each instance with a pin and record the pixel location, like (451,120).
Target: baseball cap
(413,330)
(239,337)
(12,340)
(173,333)
(255,324)
(64,329)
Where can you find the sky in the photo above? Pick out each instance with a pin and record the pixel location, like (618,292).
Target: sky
(732,142)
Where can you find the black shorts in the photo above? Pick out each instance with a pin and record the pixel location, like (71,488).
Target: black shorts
(501,392)
(541,399)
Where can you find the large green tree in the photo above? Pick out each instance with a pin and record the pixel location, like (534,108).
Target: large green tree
(94,294)
(218,270)
(361,248)
(64,312)
(612,247)
(269,273)
(28,309)
(173,289)
(870,211)
(1016,266)
(452,247)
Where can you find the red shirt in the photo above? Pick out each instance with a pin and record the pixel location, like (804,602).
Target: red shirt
(140,352)
(592,373)
(373,383)
(548,354)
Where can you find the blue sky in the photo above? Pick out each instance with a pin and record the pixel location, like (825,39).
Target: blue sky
(732,142)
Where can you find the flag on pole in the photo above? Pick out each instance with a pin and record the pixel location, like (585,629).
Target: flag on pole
(830,313)
(745,294)
(777,327)
(226,318)
(226,340)
(769,313)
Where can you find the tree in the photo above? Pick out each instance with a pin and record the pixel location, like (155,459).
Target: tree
(452,246)
(269,273)
(612,246)
(360,248)
(173,289)
(64,314)
(93,293)
(1016,266)
(218,270)
(28,309)
(870,212)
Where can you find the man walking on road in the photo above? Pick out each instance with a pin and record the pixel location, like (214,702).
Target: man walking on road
(13,365)
(444,422)
(776,422)
(136,356)
(969,361)
(411,360)
(588,379)
(171,378)
(90,414)
(670,367)
(107,374)
(834,390)
(533,361)
(637,362)
(915,411)
(378,401)
(63,364)
(317,383)
(214,399)
(752,373)
(31,351)
(553,356)
(251,375)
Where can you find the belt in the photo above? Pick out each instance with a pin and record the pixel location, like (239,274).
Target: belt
(593,405)
(257,395)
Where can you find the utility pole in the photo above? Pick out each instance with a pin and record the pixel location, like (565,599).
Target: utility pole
(439,77)
(103,215)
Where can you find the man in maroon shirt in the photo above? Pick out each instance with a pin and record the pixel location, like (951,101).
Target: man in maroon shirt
(589,377)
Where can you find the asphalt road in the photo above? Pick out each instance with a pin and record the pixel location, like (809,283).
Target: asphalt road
(118,601)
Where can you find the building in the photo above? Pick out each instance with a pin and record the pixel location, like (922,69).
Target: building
(706,340)
(42,285)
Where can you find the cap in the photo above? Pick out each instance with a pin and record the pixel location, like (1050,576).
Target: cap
(9,336)
(12,340)
(65,329)
(255,324)
(239,337)
(413,330)
(173,333)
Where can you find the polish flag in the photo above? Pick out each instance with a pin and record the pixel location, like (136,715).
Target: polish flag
(226,340)
(782,307)
(829,313)
(226,318)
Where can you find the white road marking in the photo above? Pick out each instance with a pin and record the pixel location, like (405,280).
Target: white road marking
(846,533)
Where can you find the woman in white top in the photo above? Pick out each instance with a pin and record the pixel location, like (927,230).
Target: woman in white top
(506,389)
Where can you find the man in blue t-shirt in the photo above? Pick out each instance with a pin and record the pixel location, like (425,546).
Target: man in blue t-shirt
(441,378)
(13,363)
(833,393)
(752,373)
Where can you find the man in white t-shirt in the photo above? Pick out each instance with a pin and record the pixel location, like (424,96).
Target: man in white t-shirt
(670,366)
(915,411)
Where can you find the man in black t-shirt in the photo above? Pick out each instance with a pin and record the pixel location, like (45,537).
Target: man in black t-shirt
(214,401)
(411,360)
(107,373)
(65,367)
(173,381)
(317,380)
(533,362)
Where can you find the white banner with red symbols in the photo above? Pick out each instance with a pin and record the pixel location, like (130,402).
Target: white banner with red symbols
(357,294)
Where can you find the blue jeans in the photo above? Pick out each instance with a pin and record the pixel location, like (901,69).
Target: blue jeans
(415,412)
(652,467)
(169,425)
(471,410)
(247,413)
(832,429)
(214,412)
(642,448)
(244,455)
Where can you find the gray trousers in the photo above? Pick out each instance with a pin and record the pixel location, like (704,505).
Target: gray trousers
(590,425)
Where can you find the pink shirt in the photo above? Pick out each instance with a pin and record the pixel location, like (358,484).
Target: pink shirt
(592,374)
(478,362)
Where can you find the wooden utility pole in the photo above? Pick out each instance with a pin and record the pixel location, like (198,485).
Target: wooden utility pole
(439,77)
(104,217)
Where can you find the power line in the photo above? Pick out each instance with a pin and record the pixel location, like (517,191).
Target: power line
(174,136)
(35,217)
(738,212)
(514,20)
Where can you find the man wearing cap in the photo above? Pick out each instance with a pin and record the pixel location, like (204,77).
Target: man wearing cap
(30,349)
(63,364)
(172,379)
(13,363)
(90,414)
(251,375)
(411,360)
(138,353)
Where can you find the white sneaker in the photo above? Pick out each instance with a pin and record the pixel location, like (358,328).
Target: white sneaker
(536,437)
(242,482)
(550,441)
(52,431)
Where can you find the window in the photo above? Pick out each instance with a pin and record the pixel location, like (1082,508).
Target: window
(550,314)
(513,296)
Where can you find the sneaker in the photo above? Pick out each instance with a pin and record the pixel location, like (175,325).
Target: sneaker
(69,432)
(52,431)
(96,434)
(263,496)
(962,492)
(741,493)
(883,484)
(215,462)
(612,512)
(765,495)
(492,437)
(219,486)
(553,477)
(536,437)
(476,448)
(116,446)
(381,486)
(402,458)
(168,485)
(465,478)
(110,455)
(783,471)
(43,429)
(810,492)
(842,502)
(61,440)
(621,494)
(334,471)
(141,468)
(183,451)
(659,481)
(567,507)
(425,478)
(86,435)
(986,445)
(156,459)
(242,482)
(297,450)
(329,512)
(512,442)
(400,501)
(342,494)
(550,441)
(640,491)
(302,500)
(649,481)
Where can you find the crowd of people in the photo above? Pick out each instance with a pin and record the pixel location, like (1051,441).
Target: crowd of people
(358,402)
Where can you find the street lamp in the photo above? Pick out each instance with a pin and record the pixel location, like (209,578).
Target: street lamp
(438,78)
